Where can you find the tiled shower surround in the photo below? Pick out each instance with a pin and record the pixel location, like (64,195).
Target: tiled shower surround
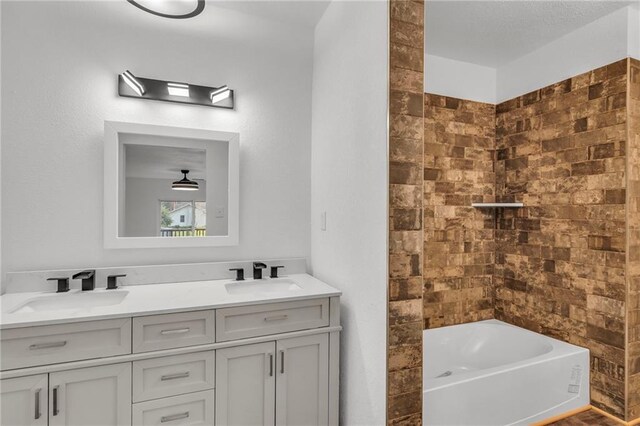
(568,263)
(459,243)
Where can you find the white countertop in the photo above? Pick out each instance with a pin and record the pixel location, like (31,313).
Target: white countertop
(151,299)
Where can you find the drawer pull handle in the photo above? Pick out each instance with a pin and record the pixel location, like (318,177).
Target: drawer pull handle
(173,417)
(276,318)
(175,376)
(37,414)
(176,331)
(47,345)
(55,401)
(270,365)
(281,362)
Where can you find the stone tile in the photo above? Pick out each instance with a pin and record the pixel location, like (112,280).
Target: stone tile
(405,357)
(405,289)
(405,381)
(406,33)
(406,80)
(410,420)
(405,404)
(408,11)
(406,103)
(406,171)
(407,57)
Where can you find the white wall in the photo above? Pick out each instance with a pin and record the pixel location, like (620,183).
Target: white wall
(349,182)
(596,44)
(444,76)
(60,62)
(606,40)
(1,265)
(633,31)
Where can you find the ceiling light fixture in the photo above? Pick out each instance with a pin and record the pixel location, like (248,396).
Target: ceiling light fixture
(220,94)
(198,8)
(169,91)
(184,184)
(133,82)
(178,89)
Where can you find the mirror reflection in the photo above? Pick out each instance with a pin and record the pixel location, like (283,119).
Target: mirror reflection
(172,187)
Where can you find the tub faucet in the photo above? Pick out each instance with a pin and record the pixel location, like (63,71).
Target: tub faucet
(88,279)
(257,270)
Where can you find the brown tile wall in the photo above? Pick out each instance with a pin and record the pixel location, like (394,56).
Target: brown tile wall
(560,261)
(633,241)
(459,244)
(404,354)
(568,264)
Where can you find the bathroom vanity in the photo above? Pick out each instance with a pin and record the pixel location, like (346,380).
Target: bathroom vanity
(218,352)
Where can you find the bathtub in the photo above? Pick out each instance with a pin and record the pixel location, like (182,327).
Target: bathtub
(493,373)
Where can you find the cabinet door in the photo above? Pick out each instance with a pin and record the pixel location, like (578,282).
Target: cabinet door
(302,391)
(91,396)
(246,385)
(23,401)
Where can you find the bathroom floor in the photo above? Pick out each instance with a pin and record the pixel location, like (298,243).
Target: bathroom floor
(586,418)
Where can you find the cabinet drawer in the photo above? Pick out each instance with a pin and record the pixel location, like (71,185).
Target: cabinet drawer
(51,344)
(261,320)
(191,409)
(173,375)
(173,331)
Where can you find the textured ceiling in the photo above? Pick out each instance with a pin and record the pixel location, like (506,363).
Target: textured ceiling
(163,162)
(493,33)
(302,12)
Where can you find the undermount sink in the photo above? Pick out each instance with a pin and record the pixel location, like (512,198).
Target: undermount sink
(71,301)
(277,285)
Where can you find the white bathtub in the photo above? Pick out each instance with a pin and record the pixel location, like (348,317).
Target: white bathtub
(493,373)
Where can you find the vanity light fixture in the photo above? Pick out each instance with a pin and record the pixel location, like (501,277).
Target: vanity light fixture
(133,82)
(185,184)
(169,91)
(219,94)
(198,8)
(178,89)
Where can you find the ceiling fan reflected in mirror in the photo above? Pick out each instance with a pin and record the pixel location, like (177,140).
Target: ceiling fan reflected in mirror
(184,184)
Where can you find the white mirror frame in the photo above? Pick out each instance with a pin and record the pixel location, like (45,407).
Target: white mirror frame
(112,184)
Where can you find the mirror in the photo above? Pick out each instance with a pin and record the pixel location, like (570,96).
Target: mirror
(170,187)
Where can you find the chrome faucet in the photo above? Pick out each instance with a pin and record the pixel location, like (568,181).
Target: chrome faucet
(257,270)
(88,279)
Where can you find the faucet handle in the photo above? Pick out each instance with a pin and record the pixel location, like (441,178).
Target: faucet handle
(112,281)
(84,275)
(239,273)
(63,284)
(274,271)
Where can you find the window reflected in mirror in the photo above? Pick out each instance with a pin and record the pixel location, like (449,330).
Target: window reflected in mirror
(183,218)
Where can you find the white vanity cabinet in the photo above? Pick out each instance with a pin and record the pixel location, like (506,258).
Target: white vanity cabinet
(255,364)
(302,381)
(99,396)
(288,378)
(24,401)
(246,385)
